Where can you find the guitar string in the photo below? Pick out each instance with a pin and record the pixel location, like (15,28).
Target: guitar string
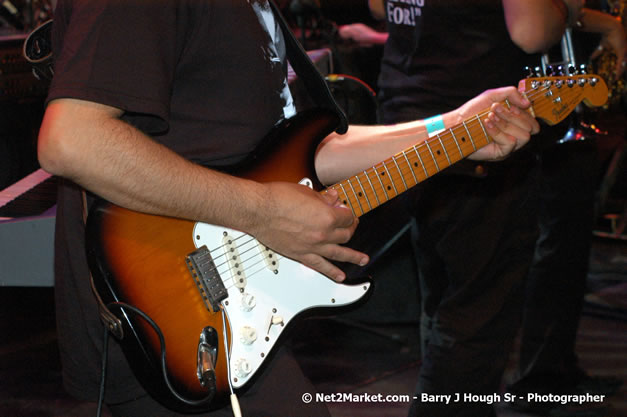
(532,95)
(229,268)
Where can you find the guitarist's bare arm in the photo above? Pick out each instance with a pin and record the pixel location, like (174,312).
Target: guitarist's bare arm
(87,143)
(362,147)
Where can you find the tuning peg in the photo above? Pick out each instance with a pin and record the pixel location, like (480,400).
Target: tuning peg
(538,72)
(549,70)
(572,70)
(560,70)
(583,69)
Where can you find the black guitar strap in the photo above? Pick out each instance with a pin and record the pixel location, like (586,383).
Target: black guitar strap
(315,84)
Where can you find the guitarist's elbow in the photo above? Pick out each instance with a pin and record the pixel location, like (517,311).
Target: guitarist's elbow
(326,161)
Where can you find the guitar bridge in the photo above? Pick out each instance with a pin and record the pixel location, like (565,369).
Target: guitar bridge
(202,268)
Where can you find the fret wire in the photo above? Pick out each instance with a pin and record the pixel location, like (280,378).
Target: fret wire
(347,198)
(400,173)
(444,149)
(364,191)
(387,197)
(390,177)
(373,189)
(474,147)
(356,196)
(410,167)
(457,143)
(426,142)
(483,128)
(421,163)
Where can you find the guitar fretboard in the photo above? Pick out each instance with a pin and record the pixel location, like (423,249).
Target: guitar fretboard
(397,174)
(552,99)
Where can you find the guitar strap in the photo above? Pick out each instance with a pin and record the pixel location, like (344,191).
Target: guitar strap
(110,321)
(315,84)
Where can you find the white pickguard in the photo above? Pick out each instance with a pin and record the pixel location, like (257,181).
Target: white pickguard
(261,302)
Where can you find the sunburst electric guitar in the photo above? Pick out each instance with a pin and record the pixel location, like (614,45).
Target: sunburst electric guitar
(210,303)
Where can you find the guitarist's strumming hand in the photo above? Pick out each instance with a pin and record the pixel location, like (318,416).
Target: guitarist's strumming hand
(510,127)
(308,227)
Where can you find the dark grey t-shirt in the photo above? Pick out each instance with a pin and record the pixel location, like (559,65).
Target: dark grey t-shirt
(204,77)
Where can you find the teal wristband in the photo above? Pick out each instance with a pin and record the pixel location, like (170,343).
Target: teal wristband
(434,124)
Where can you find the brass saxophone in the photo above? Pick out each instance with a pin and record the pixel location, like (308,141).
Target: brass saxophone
(605,63)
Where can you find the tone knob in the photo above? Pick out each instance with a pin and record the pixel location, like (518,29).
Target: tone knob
(248,335)
(242,368)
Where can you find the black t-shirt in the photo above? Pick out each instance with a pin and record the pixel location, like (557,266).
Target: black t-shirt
(441,53)
(207,78)
(203,77)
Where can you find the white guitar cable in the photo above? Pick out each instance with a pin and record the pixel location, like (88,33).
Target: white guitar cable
(237,411)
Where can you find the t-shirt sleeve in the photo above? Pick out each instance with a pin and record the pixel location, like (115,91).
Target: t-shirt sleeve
(120,53)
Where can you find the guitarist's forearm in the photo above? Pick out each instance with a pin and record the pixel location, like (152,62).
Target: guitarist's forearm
(88,144)
(340,156)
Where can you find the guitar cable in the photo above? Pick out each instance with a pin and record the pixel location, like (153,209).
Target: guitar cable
(164,372)
(237,411)
(103,372)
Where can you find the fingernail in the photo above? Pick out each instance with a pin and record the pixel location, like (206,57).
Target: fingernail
(339,277)
(363,262)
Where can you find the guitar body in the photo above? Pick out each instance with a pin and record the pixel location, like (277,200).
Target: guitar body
(142,260)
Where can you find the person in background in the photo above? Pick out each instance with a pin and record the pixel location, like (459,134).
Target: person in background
(476,223)
(556,285)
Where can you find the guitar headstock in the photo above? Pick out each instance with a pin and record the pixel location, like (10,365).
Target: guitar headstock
(554,98)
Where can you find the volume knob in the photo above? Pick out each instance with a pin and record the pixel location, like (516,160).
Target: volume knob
(248,302)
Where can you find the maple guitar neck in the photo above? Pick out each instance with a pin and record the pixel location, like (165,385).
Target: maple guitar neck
(552,99)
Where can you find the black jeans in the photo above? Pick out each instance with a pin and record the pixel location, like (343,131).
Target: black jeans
(474,244)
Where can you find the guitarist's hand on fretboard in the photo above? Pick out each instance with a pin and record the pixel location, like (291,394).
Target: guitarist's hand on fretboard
(508,122)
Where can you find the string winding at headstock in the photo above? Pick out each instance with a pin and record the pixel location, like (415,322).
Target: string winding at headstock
(554,98)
